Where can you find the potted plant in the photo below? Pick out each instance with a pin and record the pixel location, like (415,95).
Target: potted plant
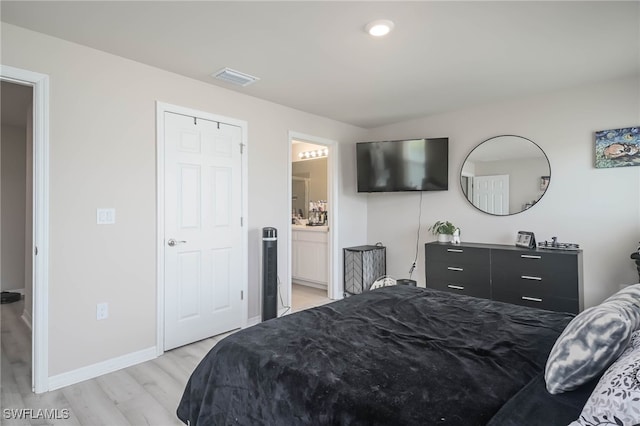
(444,230)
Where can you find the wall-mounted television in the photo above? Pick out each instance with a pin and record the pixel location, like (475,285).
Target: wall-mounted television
(403,165)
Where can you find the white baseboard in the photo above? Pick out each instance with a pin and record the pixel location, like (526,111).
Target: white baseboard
(254,320)
(310,284)
(26,318)
(101,368)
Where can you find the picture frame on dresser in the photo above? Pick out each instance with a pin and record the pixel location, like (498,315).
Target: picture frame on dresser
(526,239)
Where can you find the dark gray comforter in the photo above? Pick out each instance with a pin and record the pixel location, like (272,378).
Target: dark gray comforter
(393,356)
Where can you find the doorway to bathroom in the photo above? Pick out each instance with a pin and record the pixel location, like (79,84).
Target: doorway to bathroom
(313,224)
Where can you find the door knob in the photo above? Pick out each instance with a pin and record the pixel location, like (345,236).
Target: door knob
(173,242)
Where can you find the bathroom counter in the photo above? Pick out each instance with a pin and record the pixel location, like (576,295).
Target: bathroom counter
(310,228)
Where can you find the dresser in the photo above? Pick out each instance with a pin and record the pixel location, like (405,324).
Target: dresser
(545,279)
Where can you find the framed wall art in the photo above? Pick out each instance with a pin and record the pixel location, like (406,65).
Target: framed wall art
(617,147)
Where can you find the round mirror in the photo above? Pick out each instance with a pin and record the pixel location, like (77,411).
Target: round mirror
(505,175)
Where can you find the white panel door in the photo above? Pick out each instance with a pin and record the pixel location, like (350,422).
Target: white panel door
(203,235)
(491,194)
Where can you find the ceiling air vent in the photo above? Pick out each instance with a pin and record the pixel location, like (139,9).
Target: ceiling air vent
(234,77)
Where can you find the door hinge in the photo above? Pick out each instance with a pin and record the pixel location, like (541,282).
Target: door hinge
(241,294)
(35,251)
(241,221)
(241,148)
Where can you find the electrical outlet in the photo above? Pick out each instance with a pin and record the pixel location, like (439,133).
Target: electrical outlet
(102,311)
(105,216)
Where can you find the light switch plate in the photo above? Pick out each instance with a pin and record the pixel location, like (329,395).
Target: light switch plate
(105,216)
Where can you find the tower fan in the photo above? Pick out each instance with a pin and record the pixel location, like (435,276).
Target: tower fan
(269,273)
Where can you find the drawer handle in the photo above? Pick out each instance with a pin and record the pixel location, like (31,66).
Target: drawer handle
(455,250)
(455,287)
(530,256)
(453,268)
(531,299)
(529,277)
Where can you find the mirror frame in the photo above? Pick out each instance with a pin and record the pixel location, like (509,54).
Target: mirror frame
(460,176)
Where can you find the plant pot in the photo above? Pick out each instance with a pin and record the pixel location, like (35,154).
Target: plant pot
(444,238)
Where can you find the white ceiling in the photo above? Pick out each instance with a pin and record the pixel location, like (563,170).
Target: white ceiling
(315,56)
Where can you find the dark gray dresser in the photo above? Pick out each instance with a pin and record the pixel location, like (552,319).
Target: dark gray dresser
(545,279)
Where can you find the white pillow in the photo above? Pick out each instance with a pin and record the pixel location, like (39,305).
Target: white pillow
(616,398)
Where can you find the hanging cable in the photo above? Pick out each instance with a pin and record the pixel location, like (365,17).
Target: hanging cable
(282,301)
(415,259)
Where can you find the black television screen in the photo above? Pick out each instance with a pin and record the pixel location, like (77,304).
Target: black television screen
(403,165)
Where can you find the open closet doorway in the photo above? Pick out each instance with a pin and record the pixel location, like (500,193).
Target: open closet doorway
(313,226)
(16,230)
(31,240)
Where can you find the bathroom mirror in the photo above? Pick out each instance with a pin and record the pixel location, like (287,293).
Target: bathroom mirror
(300,197)
(505,175)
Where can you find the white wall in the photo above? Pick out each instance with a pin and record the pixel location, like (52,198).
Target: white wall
(13,181)
(102,154)
(596,208)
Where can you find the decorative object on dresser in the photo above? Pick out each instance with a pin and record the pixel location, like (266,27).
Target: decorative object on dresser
(363,265)
(555,245)
(456,236)
(526,239)
(444,230)
(540,278)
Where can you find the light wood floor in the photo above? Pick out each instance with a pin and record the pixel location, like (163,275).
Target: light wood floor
(145,394)
(305,297)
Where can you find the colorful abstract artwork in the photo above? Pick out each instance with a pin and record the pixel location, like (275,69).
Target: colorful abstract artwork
(618,147)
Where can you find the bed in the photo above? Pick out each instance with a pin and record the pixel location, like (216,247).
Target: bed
(397,355)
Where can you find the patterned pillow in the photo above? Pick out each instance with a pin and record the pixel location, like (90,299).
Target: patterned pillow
(616,398)
(593,340)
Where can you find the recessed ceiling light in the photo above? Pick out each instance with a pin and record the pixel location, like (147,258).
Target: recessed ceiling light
(379,28)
